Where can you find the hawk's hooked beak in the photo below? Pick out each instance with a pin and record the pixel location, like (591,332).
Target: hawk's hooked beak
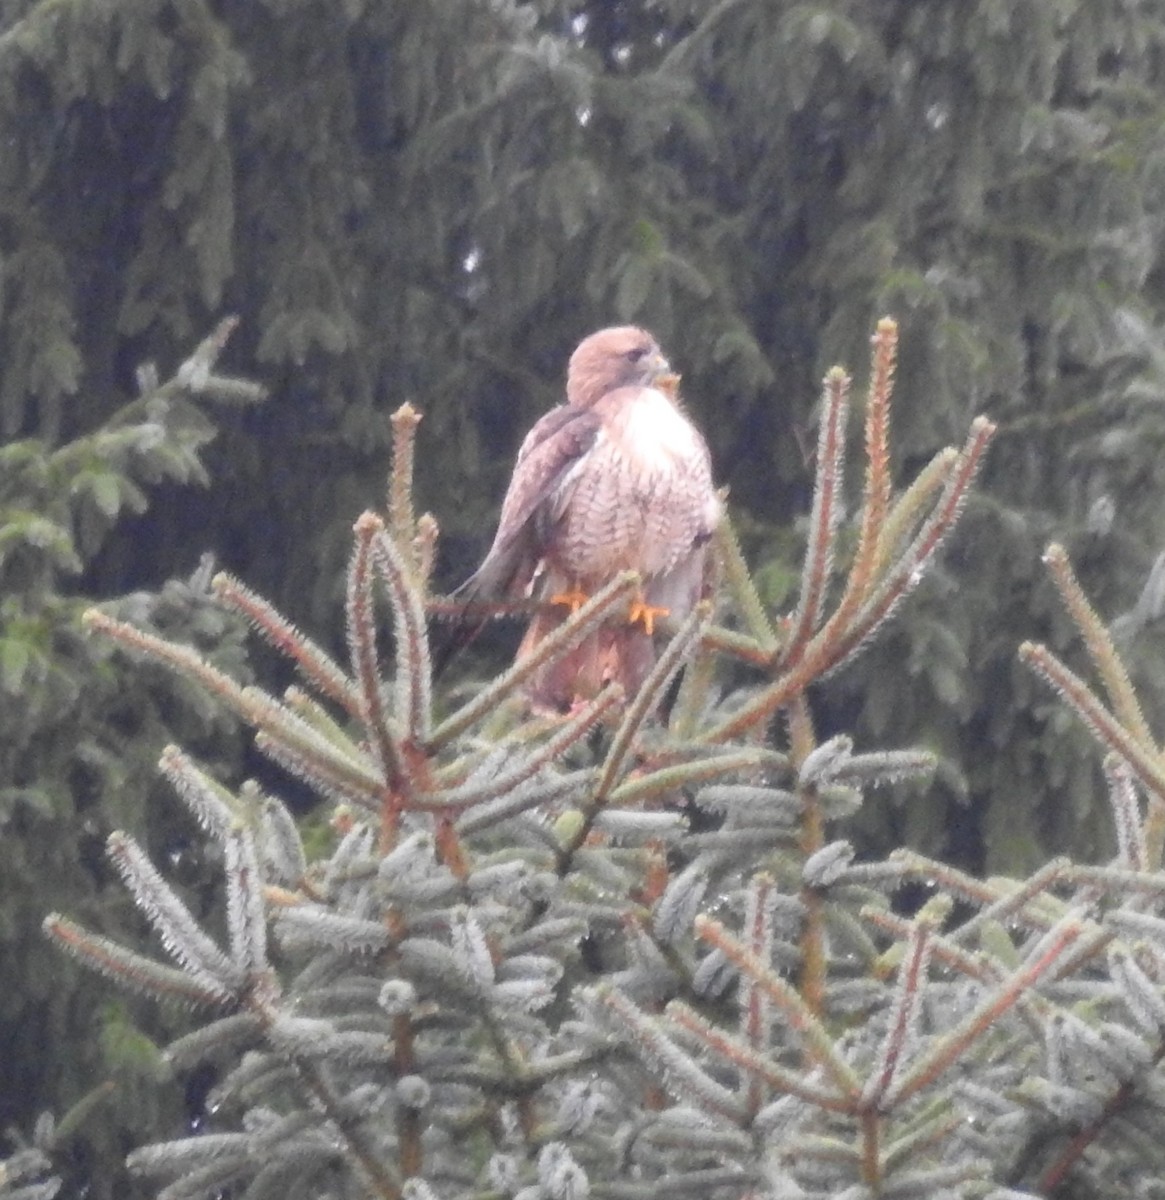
(662,376)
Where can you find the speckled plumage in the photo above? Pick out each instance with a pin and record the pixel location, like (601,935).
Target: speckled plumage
(615,479)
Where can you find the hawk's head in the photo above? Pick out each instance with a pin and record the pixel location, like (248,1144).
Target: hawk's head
(624,356)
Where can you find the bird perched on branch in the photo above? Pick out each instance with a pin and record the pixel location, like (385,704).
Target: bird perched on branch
(615,479)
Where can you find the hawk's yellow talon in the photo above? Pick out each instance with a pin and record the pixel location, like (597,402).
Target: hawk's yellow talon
(646,613)
(573,599)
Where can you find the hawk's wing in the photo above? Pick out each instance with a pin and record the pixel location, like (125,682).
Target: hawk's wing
(543,471)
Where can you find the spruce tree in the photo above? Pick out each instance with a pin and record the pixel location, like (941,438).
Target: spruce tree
(614,955)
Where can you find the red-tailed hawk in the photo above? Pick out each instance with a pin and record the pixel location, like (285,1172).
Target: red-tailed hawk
(615,479)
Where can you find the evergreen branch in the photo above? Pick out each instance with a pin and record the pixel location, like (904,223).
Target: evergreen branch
(876,501)
(673,901)
(211,805)
(693,694)
(1127,1093)
(680,1071)
(1139,993)
(1036,907)
(946,1050)
(195,371)
(541,1071)
(870,1143)
(381,1176)
(451,851)
(572,631)
(181,934)
(740,645)
(646,699)
(1012,905)
(980,966)
(181,659)
(401,520)
(317,665)
(212,1159)
(811,839)
(361,624)
(425,548)
(910,1144)
(741,586)
(131,970)
(800,1018)
(753,1064)
(828,503)
(332,778)
(312,712)
(569,734)
(753,1005)
(1101,649)
(1145,763)
(246,915)
(907,572)
(239,1032)
(1126,812)
(884,766)
(408,1123)
(673,753)
(911,506)
(548,794)
(878,482)
(253,705)
(845,633)
(918,867)
(281,725)
(903,1030)
(1118,879)
(683,774)
(229,389)
(414,666)
(1089,947)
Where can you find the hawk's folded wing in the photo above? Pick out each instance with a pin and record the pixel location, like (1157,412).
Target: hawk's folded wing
(547,460)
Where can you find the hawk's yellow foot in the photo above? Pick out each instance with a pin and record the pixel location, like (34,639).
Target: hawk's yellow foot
(573,599)
(642,612)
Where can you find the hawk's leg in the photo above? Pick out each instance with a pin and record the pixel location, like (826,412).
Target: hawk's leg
(643,613)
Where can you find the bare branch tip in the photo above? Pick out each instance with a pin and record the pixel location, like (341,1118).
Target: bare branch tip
(368,524)
(406,418)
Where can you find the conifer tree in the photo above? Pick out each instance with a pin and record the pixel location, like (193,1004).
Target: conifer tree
(606,954)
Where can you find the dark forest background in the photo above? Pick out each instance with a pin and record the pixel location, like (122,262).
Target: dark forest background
(434,201)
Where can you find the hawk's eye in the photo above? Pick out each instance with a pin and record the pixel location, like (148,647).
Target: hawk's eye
(635,355)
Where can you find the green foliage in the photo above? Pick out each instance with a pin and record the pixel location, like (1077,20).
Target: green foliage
(437,199)
(76,755)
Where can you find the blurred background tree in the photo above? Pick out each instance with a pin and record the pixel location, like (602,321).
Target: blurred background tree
(434,201)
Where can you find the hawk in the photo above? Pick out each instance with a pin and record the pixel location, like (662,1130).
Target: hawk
(616,478)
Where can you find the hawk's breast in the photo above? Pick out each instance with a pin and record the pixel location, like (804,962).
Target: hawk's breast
(642,497)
